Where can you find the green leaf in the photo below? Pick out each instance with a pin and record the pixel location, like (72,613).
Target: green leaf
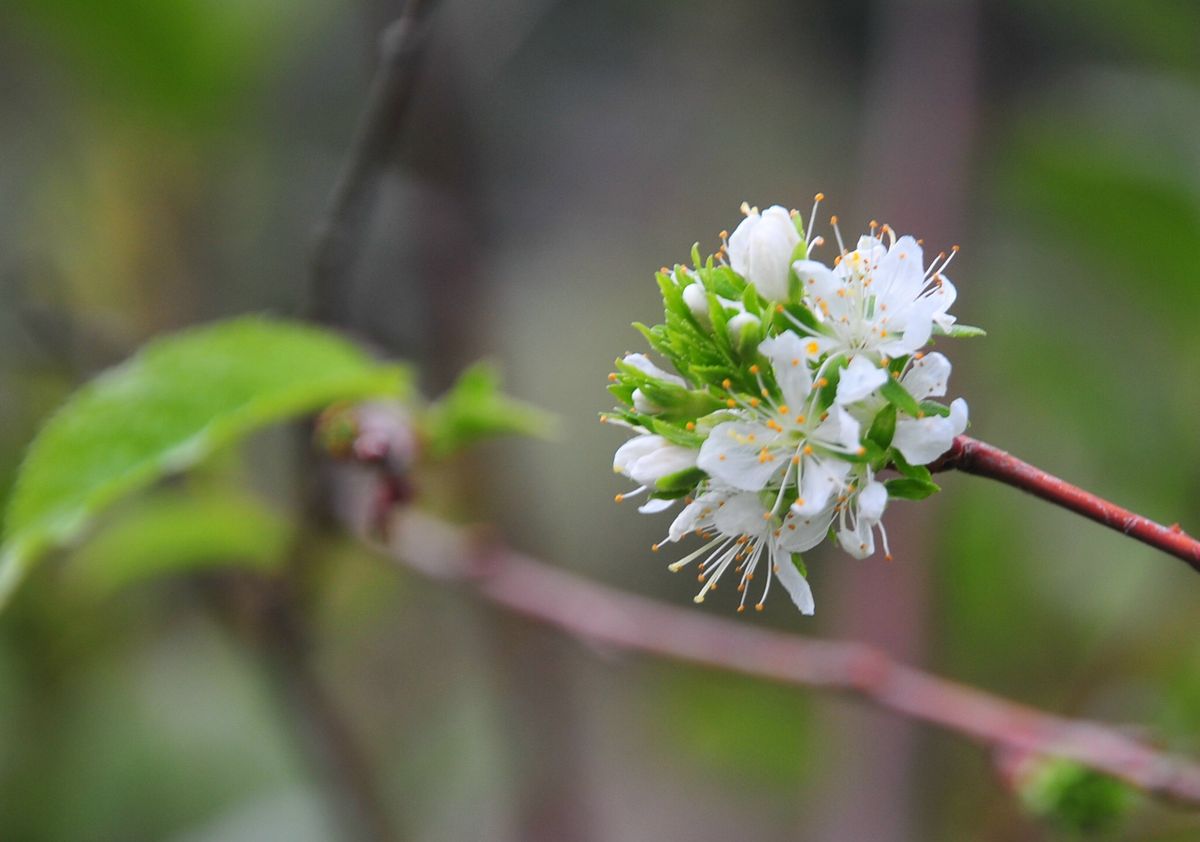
(883,427)
(177,532)
(164,410)
(1072,796)
(911,489)
(959,331)
(899,397)
(474,409)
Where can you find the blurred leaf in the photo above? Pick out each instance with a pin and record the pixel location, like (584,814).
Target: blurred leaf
(1073,796)
(474,409)
(180,61)
(168,408)
(177,532)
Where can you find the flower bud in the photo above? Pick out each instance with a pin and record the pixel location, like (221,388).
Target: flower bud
(760,250)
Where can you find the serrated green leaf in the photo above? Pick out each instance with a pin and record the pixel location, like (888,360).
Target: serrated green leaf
(900,398)
(474,408)
(177,532)
(959,331)
(908,488)
(164,410)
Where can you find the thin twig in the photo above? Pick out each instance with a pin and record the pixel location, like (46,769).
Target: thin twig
(594,612)
(340,235)
(972,456)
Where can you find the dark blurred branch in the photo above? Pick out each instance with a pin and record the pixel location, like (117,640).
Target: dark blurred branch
(599,614)
(972,456)
(340,236)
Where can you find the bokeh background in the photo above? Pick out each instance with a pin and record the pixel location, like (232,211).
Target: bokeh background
(163,164)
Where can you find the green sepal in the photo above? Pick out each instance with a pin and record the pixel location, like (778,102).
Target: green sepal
(726,283)
(684,480)
(935,408)
(832,372)
(959,331)
(919,472)
(908,488)
(798,561)
(900,398)
(883,428)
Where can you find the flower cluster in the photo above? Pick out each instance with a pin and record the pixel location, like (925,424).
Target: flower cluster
(798,386)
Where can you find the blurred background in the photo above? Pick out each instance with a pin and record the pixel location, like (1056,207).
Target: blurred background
(163,164)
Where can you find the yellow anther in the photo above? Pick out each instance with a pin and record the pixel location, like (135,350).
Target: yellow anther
(820,197)
(758,607)
(612,377)
(833,220)
(691,425)
(822,382)
(755,402)
(808,450)
(795,460)
(618,498)
(731,403)
(783,410)
(800,419)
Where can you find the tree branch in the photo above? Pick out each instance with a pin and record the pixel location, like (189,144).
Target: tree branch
(338,239)
(972,456)
(600,614)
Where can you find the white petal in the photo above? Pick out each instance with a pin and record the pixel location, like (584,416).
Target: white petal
(927,377)
(653,506)
(789,355)
(871,502)
(858,542)
(643,404)
(760,250)
(697,302)
(921,440)
(643,364)
(816,279)
(859,379)
(801,532)
(900,276)
(635,449)
(796,586)
(742,514)
(958,416)
(733,453)
(840,429)
(662,462)
(687,519)
(821,478)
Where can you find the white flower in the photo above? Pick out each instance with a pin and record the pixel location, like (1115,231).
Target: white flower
(742,533)
(859,379)
(858,515)
(643,364)
(786,445)
(646,459)
(921,440)
(879,300)
(761,247)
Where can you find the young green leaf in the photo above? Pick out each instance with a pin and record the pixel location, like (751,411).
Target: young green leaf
(164,410)
(899,397)
(474,408)
(908,488)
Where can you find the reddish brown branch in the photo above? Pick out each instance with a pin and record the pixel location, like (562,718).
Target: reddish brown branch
(976,457)
(596,613)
